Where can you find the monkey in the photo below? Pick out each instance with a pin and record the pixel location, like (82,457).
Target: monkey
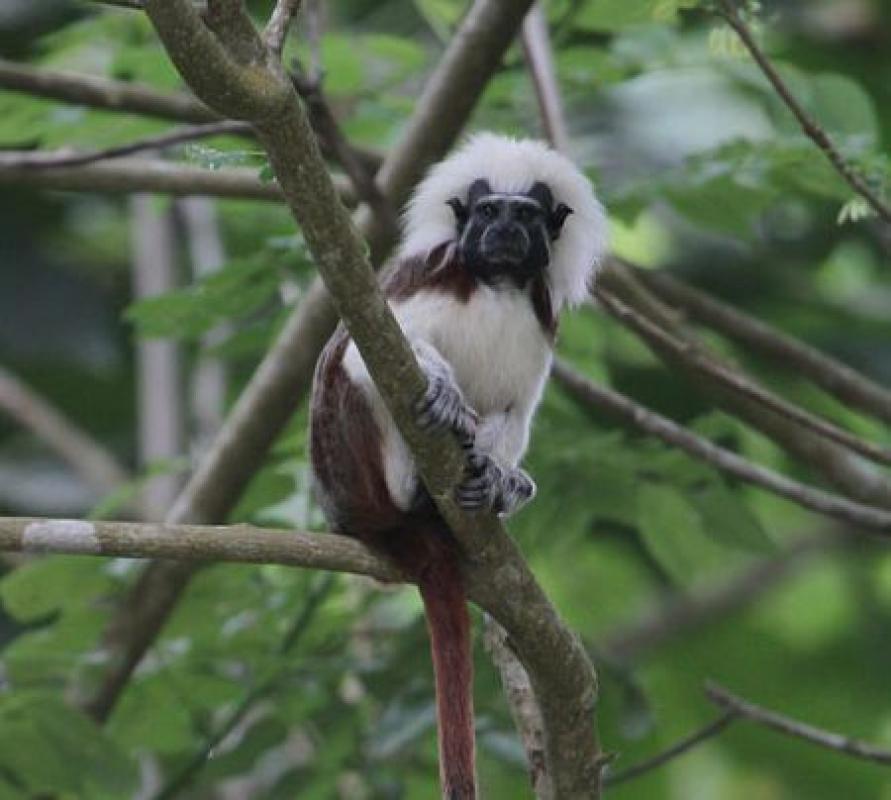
(498,239)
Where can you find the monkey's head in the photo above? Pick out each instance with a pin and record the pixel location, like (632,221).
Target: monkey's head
(505,235)
(513,209)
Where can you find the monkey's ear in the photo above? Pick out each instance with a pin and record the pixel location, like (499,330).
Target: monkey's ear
(460,211)
(557,218)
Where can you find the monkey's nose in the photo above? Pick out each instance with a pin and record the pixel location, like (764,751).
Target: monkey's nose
(505,243)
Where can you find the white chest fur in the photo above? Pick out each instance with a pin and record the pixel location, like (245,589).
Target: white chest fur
(493,341)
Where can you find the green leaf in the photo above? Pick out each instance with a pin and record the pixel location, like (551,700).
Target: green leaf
(727,519)
(51,748)
(233,292)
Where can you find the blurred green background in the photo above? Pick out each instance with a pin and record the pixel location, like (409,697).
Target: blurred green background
(706,175)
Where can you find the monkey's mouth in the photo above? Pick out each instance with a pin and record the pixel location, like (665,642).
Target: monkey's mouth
(504,248)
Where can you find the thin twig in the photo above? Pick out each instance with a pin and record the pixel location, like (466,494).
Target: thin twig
(279,21)
(85,455)
(710,731)
(809,125)
(736,381)
(832,505)
(793,727)
(838,379)
(32,159)
(540,63)
(327,129)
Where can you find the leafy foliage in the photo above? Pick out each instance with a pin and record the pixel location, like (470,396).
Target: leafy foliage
(705,173)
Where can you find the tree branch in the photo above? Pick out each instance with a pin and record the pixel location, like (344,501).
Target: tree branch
(279,21)
(237,543)
(38,159)
(695,358)
(88,90)
(809,125)
(876,519)
(846,384)
(540,63)
(78,448)
(854,477)
(710,731)
(140,175)
(523,706)
(792,727)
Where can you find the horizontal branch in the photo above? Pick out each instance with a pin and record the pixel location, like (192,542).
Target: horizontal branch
(686,744)
(40,159)
(587,392)
(792,727)
(88,90)
(237,543)
(736,381)
(838,379)
(132,175)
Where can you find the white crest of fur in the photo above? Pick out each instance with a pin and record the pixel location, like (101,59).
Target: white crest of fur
(513,166)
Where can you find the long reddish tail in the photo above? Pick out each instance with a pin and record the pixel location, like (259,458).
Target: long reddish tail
(448,621)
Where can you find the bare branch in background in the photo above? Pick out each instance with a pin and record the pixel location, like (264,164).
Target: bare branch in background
(207,385)
(87,90)
(237,543)
(809,125)
(327,128)
(37,159)
(279,21)
(858,514)
(523,706)
(159,386)
(710,731)
(792,727)
(698,360)
(129,175)
(540,62)
(850,474)
(673,616)
(80,450)
(838,379)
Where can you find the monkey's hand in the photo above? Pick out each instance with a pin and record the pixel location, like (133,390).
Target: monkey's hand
(487,485)
(442,406)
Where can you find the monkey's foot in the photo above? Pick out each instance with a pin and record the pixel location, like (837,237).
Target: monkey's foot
(486,485)
(442,405)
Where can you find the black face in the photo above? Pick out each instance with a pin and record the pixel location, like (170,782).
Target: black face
(507,236)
